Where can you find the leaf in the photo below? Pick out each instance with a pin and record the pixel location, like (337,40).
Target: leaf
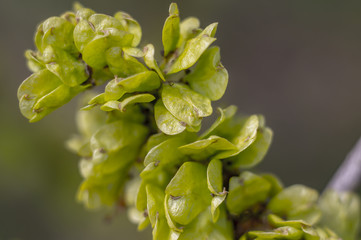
(116,135)
(185,104)
(209,77)
(244,138)
(341,213)
(215,177)
(166,153)
(193,49)
(188,29)
(71,71)
(150,61)
(203,227)
(255,153)
(215,186)
(34,63)
(171,30)
(56,32)
(279,222)
(131,26)
(155,199)
(141,82)
(84,32)
(224,114)
(276,184)
(42,93)
(32,89)
(122,64)
(246,191)
(297,202)
(278,233)
(165,121)
(206,148)
(188,193)
(121,106)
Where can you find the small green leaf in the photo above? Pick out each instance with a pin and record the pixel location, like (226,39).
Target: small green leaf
(278,233)
(166,153)
(121,106)
(186,105)
(254,154)
(188,29)
(56,32)
(203,227)
(130,25)
(121,64)
(215,177)
(224,114)
(209,77)
(141,82)
(341,213)
(193,49)
(165,121)
(70,70)
(244,138)
(84,32)
(188,193)
(275,182)
(34,63)
(155,199)
(171,30)
(205,148)
(279,222)
(150,61)
(246,191)
(297,202)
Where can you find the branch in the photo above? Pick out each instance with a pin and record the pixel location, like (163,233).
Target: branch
(348,175)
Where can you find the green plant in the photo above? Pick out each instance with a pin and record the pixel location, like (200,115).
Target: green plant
(139,143)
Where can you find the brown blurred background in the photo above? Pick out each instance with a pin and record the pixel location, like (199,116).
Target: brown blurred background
(296,62)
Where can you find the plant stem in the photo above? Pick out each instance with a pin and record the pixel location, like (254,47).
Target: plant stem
(348,175)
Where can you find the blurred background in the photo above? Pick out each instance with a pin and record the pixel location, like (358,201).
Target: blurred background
(296,62)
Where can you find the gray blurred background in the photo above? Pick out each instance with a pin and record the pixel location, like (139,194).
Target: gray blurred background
(296,62)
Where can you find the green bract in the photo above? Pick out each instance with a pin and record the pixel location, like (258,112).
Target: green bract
(139,142)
